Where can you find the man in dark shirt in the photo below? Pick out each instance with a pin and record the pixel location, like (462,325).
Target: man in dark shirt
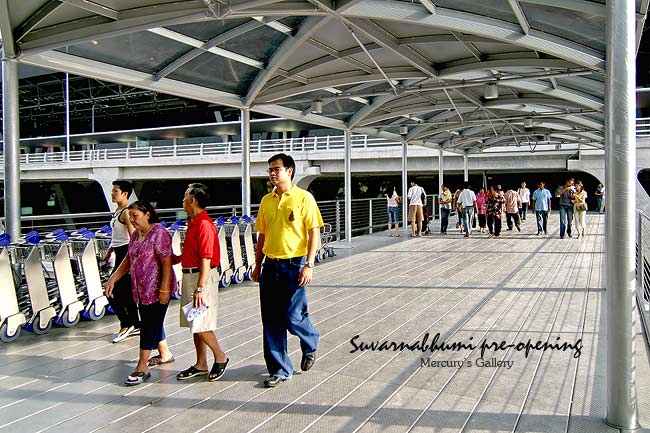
(565,195)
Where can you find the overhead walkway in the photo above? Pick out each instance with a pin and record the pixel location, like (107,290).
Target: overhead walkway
(512,289)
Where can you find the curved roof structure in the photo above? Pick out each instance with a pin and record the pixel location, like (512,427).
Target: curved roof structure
(460,75)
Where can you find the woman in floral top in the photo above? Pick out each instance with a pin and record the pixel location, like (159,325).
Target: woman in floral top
(481,199)
(149,261)
(495,204)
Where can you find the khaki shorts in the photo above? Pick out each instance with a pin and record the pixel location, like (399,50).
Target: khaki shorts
(415,213)
(208,320)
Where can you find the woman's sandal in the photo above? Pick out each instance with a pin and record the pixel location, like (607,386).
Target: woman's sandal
(140,376)
(218,369)
(157,360)
(190,372)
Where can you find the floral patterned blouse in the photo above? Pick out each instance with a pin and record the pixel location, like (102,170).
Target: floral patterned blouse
(481,200)
(146,257)
(495,205)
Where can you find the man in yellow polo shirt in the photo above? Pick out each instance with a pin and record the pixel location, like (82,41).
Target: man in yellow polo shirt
(288,224)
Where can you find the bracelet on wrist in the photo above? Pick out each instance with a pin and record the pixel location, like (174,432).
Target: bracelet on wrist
(164,291)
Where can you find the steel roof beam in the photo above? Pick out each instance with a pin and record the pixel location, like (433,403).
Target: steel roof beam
(470,47)
(288,47)
(94,7)
(6,32)
(35,19)
(519,14)
(96,27)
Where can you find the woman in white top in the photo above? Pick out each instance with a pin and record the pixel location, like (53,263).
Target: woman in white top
(393,202)
(580,208)
(524,196)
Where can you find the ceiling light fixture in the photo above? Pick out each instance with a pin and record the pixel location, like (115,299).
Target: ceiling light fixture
(491,91)
(528,122)
(317,106)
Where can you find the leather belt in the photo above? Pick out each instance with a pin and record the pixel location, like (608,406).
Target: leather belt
(194,270)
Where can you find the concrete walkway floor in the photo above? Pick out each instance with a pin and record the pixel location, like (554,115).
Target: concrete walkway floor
(474,294)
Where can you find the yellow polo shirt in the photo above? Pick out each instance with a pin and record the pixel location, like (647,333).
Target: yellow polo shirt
(284,221)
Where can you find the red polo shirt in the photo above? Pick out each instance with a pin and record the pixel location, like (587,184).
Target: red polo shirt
(201,242)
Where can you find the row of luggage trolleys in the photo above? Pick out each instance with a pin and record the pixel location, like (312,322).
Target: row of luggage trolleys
(60,278)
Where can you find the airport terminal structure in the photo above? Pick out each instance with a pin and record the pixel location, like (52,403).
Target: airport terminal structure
(525,332)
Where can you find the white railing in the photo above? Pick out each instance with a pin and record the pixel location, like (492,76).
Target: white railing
(368,215)
(305,144)
(643,269)
(643,126)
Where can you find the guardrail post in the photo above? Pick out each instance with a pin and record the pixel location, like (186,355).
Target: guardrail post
(365,141)
(201,149)
(370,215)
(105,154)
(150,151)
(338,220)
(327,143)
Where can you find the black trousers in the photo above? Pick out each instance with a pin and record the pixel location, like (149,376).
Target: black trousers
(494,224)
(510,217)
(122,301)
(523,210)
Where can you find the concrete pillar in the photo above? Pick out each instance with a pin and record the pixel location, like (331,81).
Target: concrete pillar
(246,161)
(347,185)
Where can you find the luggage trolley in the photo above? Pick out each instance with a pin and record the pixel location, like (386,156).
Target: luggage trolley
(11,318)
(177,230)
(325,250)
(35,294)
(89,284)
(226,271)
(246,240)
(56,260)
(235,250)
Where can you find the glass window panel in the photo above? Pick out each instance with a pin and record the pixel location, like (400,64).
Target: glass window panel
(498,9)
(217,73)
(258,44)
(585,29)
(142,51)
(209,29)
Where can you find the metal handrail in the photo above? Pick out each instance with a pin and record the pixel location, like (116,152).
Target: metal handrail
(643,269)
(304,144)
(368,215)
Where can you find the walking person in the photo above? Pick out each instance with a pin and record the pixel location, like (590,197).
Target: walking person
(150,265)
(580,208)
(542,204)
(495,205)
(565,194)
(121,300)
(524,196)
(445,208)
(458,209)
(467,204)
(513,204)
(393,202)
(200,258)
(600,198)
(288,225)
(417,199)
(481,199)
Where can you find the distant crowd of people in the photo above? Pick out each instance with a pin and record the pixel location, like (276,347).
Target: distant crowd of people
(487,208)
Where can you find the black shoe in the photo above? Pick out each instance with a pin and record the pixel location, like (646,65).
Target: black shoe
(218,369)
(466,235)
(545,232)
(307,361)
(539,233)
(569,235)
(273,381)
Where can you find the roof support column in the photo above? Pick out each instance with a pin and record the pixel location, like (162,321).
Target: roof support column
(405,173)
(620,162)
(465,167)
(246,161)
(441,175)
(67,116)
(347,185)
(11,135)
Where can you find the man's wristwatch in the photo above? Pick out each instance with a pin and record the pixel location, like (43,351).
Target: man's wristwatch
(310,264)
(199,289)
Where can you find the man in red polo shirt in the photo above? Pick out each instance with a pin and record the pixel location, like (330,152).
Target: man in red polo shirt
(200,283)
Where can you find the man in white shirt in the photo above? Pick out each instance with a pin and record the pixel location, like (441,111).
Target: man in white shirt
(524,196)
(467,202)
(414,196)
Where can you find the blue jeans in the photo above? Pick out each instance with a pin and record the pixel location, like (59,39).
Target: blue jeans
(599,200)
(566,217)
(284,308)
(444,219)
(468,216)
(393,215)
(542,218)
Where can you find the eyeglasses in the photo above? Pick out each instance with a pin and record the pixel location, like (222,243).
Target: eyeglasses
(275,170)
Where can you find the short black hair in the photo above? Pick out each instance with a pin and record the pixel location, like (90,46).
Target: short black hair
(125,186)
(144,207)
(287,162)
(200,193)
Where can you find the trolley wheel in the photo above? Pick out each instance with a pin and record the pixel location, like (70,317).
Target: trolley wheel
(331,252)
(319,257)
(224,281)
(238,277)
(90,313)
(67,322)
(37,329)
(6,336)
(109,309)
(176,294)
